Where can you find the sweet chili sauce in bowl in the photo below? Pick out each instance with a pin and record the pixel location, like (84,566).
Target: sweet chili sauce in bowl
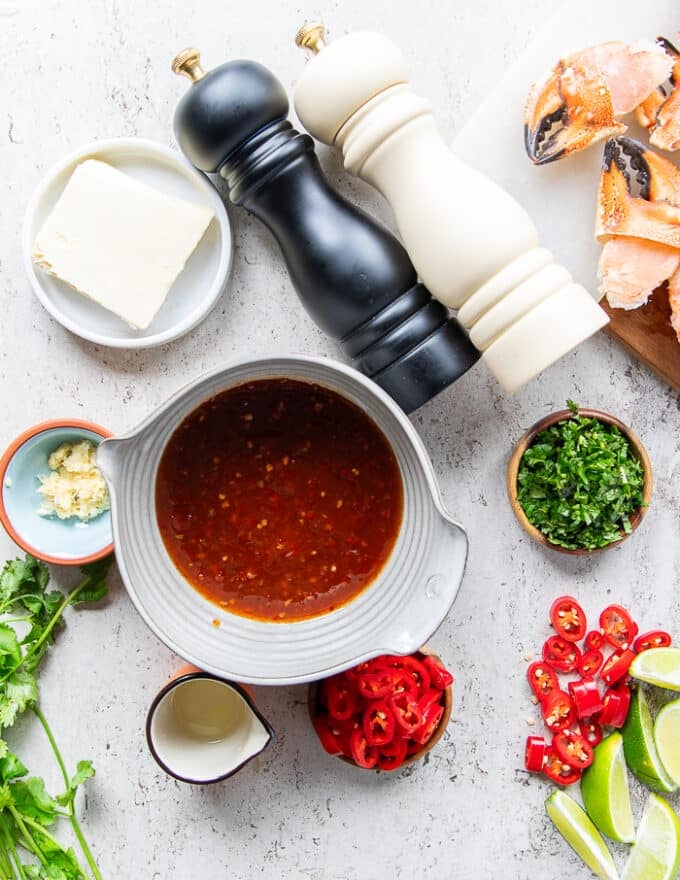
(279,499)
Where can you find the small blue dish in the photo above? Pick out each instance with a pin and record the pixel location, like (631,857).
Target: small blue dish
(60,541)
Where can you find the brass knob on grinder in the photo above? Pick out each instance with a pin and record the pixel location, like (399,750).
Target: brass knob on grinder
(312,36)
(188,63)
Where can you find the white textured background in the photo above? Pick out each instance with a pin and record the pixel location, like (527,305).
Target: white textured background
(73,71)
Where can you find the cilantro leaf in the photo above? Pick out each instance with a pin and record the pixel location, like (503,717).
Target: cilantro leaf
(84,770)
(11,767)
(18,692)
(95,573)
(31,798)
(18,575)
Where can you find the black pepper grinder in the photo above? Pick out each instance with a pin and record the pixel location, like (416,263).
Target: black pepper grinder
(353,276)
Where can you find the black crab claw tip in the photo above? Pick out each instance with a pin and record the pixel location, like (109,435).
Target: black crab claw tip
(629,157)
(541,143)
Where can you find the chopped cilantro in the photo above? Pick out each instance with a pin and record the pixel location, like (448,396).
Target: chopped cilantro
(580,482)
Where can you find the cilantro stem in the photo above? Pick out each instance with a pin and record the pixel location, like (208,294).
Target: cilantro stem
(13,853)
(35,647)
(60,761)
(29,843)
(6,870)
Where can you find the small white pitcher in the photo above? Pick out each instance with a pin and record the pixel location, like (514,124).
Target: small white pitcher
(202,729)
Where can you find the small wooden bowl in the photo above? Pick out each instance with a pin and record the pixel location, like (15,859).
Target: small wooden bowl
(314,709)
(528,438)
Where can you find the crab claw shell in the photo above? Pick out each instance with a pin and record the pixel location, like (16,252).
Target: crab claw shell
(674,300)
(581,99)
(660,113)
(569,111)
(653,214)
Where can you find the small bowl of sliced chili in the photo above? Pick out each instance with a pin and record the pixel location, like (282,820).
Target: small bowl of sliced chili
(383,714)
(579,481)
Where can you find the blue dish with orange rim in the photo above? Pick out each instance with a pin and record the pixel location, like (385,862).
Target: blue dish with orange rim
(59,541)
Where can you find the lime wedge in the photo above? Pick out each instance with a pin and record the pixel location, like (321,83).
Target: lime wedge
(604,787)
(639,748)
(581,835)
(659,666)
(656,852)
(667,739)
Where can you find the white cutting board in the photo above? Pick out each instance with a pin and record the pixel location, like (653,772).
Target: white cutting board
(562,196)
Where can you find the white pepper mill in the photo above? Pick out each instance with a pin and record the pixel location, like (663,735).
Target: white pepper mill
(473,245)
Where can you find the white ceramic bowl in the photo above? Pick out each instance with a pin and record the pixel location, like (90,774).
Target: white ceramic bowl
(396,614)
(198,286)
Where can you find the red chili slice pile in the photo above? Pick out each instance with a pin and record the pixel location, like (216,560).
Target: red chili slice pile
(383,711)
(577,715)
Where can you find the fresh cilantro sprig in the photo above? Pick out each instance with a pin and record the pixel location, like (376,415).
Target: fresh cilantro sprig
(579,482)
(30,614)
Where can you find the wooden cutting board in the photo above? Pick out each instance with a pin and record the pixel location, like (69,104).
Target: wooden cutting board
(647,333)
(562,196)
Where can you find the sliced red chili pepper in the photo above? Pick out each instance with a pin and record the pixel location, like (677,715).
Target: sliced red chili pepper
(594,640)
(342,699)
(590,662)
(616,705)
(429,698)
(559,771)
(574,749)
(440,677)
(586,697)
(616,666)
(542,679)
(534,753)
(561,654)
(618,627)
(431,718)
(327,737)
(407,713)
(379,723)
(568,619)
(375,685)
(413,667)
(392,755)
(361,751)
(657,638)
(559,711)
(591,731)
(404,683)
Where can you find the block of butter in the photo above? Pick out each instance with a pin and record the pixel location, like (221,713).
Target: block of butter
(118,241)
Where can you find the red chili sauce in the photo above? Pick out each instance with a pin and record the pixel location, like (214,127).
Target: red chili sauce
(279,500)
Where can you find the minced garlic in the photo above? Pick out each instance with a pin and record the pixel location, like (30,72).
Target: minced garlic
(75,486)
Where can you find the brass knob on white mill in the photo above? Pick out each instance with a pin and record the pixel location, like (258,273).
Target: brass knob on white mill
(472,243)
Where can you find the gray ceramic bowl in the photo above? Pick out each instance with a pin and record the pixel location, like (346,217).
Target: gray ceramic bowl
(397,613)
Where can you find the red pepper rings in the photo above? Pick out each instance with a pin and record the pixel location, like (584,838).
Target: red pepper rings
(657,638)
(542,679)
(617,626)
(379,723)
(590,663)
(616,665)
(573,749)
(586,697)
(559,712)
(400,706)
(561,654)
(616,704)
(558,770)
(535,753)
(568,619)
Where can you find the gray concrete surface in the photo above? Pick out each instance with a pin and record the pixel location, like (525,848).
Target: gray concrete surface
(74,71)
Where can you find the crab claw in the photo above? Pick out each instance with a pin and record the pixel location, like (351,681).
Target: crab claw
(639,194)
(660,112)
(567,112)
(581,99)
